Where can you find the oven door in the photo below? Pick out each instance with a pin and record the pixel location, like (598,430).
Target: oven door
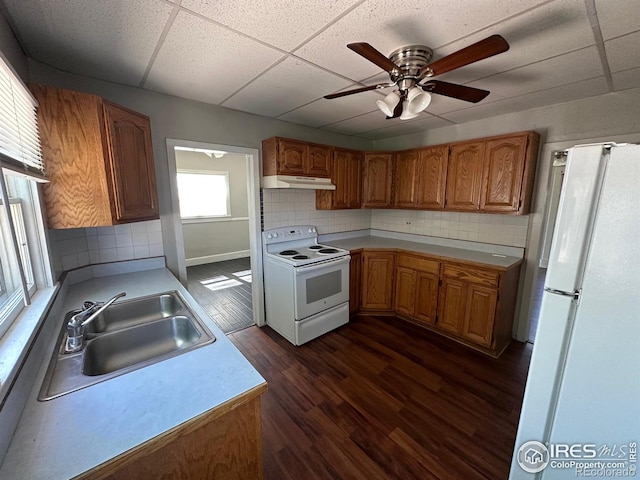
(321,285)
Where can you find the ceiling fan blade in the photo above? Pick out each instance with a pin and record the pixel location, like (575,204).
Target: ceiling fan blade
(486,48)
(356,90)
(453,90)
(373,55)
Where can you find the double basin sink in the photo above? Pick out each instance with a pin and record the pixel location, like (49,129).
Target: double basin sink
(128,335)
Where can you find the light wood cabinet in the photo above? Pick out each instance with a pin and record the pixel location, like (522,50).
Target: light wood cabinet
(355,282)
(284,156)
(416,294)
(405,294)
(99,160)
(419,178)
(464,176)
(377,180)
(377,280)
(346,175)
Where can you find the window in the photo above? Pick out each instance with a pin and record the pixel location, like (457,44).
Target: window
(203,194)
(22,245)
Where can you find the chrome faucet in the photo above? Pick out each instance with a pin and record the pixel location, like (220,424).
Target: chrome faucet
(75,327)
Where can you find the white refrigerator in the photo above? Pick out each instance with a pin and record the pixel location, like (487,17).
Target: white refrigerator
(581,411)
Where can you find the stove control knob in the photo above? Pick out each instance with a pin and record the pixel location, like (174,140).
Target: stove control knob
(269,236)
(275,235)
(313,230)
(310,230)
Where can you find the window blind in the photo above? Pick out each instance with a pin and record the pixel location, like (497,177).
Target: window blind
(19,140)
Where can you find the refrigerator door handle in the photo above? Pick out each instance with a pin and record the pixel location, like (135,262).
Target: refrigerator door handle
(575,294)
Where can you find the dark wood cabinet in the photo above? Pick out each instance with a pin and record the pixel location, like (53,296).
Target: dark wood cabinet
(99,160)
(432,177)
(355,282)
(405,291)
(377,280)
(377,180)
(346,175)
(284,156)
(405,179)
(416,294)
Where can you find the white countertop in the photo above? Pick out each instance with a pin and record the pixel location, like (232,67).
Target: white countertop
(479,257)
(66,436)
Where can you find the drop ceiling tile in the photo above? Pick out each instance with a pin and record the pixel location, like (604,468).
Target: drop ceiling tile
(286,86)
(111,40)
(427,122)
(363,123)
(324,112)
(276,22)
(623,52)
(390,24)
(617,17)
(561,94)
(208,66)
(564,69)
(544,32)
(627,79)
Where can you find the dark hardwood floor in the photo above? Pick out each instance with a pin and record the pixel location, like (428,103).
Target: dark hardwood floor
(224,291)
(383,399)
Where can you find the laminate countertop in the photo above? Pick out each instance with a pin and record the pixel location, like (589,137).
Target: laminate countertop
(71,434)
(494,260)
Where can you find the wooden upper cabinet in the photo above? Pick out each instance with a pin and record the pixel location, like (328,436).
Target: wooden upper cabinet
(509,167)
(405,176)
(346,175)
(432,177)
(130,164)
(464,177)
(284,156)
(377,180)
(99,160)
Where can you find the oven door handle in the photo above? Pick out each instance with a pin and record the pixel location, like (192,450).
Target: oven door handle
(321,265)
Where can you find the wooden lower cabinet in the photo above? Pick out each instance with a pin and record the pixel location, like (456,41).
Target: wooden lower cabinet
(355,282)
(472,304)
(377,280)
(223,443)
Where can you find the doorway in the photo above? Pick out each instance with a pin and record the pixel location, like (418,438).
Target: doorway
(216,218)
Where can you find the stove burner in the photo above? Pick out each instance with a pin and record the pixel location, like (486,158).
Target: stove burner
(288,253)
(328,250)
(300,257)
(315,247)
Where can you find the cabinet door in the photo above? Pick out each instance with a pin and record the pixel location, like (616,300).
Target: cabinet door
(451,305)
(432,177)
(291,157)
(464,176)
(131,175)
(340,178)
(503,171)
(355,282)
(405,176)
(405,291)
(480,314)
(318,160)
(354,180)
(426,299)
(377,280)
(377,180)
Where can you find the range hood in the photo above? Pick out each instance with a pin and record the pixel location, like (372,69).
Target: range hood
(289,181)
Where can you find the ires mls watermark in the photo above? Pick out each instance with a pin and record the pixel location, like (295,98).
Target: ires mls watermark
(584,459)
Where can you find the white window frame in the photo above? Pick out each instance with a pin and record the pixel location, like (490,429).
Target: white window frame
(207,218)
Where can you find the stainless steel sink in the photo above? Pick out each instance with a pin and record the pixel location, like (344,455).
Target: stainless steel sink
(127,336)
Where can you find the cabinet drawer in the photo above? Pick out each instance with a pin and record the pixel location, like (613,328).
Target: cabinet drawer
(472,275)
(417,263)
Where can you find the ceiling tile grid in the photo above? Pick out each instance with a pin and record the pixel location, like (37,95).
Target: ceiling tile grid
(278,58)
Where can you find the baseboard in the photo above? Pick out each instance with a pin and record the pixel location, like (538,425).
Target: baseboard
(220,257)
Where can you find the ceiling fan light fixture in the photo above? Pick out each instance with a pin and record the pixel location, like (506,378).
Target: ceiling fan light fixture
(417,100)
(407,114)
(388,105)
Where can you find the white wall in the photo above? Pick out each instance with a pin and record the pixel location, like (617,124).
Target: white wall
(224,238)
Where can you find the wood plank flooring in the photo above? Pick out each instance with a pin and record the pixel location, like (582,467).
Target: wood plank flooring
(383,399)
(224,291)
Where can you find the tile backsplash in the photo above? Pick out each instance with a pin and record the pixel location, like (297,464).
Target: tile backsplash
(297,207)
(77,247)
(508,230)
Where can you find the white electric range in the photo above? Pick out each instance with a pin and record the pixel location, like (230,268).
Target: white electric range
(306,284)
